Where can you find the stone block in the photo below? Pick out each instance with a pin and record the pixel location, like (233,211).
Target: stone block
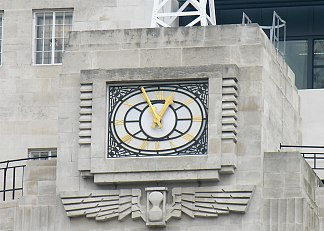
(46,188)
(250,103)
(251,163)
(274,180)
(206,55)
(30,187)
(72,61)
(248,177)
(38,173)
(214,146)
(160,57)
(7,220)
(116,59)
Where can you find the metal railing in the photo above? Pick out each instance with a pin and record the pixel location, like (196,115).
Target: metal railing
(274,31)
(313,158)
(12,177)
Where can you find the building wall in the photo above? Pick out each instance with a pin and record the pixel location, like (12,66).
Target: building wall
(29,93)
(311,111)
(267,111)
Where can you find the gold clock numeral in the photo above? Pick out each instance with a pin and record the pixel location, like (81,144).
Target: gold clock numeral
(119,122)
(159,95)
(188,102)
(188,137)
(126,139)
(144,145)
(128,104)
(197,119)
(157,145)
(172,145)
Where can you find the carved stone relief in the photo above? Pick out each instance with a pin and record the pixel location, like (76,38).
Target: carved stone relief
(192,201)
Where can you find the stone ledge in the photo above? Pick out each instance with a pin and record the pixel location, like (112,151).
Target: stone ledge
(167,176)
(157,164)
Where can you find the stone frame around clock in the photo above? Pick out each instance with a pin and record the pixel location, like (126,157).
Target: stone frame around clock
(221,157)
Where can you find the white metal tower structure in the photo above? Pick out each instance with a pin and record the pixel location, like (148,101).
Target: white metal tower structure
(166,12)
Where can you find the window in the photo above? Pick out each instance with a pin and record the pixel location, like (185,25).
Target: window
(51,35)
(42,153)
(1,19)
(318,65)
(296,56)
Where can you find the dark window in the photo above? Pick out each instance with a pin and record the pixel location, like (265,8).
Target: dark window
(305,32)
(318,66)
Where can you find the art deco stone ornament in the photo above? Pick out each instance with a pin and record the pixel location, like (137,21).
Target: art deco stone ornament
(193,201)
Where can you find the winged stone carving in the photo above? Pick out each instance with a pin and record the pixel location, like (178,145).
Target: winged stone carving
(209,201)
(192,201)
(104,205)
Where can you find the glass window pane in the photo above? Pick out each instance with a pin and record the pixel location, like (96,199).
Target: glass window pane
(68,18)
(296,57)
(39,57)
(58,57)
(318,70)
(39,18)
(58,44)
(39,44)
(66,42)
(318,52)
(59,16)
(48,32)
(47,57)
(59,31)
(48,18)
(47,44)
(39,32)
(318,78)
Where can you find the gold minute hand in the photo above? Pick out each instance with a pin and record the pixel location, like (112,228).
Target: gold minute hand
(168,101)
(156,117)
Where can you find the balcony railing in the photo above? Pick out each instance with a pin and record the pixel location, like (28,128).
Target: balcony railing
(314,158)
(12,177)
(277,31)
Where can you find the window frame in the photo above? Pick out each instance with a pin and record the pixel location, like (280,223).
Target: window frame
(52,152)
(53,31)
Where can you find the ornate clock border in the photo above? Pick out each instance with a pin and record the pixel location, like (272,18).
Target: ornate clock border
(222,127)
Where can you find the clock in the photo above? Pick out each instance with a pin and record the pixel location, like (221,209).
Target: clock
(157,119)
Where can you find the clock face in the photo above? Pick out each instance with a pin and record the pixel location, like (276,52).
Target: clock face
(157,119)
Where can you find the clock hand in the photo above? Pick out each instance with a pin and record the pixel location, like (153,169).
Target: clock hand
(168,101)
(156,117)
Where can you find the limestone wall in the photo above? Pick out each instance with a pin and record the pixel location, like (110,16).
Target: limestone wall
(267,111)
(290,193)
(28,93)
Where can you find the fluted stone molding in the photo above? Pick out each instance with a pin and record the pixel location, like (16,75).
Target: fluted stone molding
(229,108)
(85,113)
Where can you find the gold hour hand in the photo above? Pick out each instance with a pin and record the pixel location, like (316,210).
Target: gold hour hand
(156,117)
(167,103)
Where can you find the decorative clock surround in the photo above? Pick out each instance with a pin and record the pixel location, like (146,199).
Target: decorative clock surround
(198,154)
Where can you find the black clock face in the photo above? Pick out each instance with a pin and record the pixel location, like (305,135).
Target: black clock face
(157,119)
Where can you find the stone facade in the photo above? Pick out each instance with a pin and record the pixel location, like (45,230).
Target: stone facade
(29,93)
(242,184)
